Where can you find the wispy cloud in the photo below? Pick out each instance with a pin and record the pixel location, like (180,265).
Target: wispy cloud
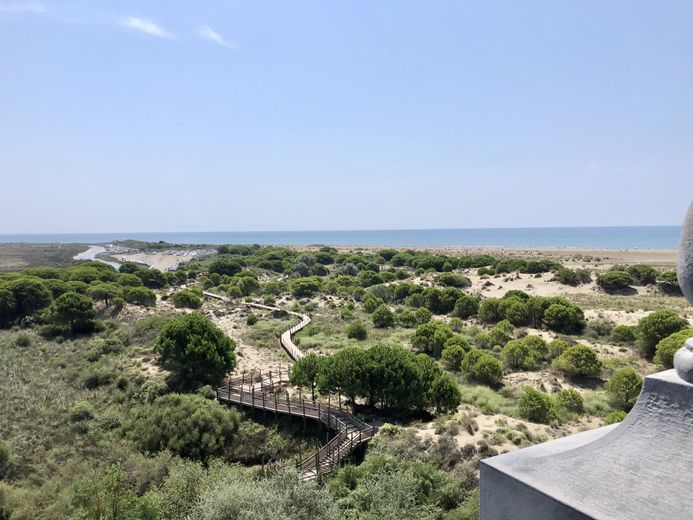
(207,33)
(146,26)
(16,7)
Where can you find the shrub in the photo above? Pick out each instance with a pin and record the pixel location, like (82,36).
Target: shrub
(668,346)
(371,302)
(624,387)
(452,280)
(614,281)
(489,311)
(23,339)
(186,298)
(431,337)
(251,319)
(570,400)
(139,296)
(81,411)
(482,367)
(655,327)
(5,456)
(516,312)
(196,350)
(578,360)
(407,318)
(383,317)
(537,406)
(453,355)
(525,354)
(623,334)
(565,318)
(500,333)
(423,315)
(616,417)
(306,372)
(444,393)
(303,287)
(642,274)
(225,266)
(557,347)
(185,424)
(357,330)
(466,306)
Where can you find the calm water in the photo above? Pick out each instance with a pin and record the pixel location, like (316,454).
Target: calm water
(643,237)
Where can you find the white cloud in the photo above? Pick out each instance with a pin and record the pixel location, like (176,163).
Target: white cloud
(207,33)
(32,7)
(146,26)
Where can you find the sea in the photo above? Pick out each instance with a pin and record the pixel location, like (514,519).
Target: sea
(632,237)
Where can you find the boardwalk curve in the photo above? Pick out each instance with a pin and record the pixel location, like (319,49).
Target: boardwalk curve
(258,391)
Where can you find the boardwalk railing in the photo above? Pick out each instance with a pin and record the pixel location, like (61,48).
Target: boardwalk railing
(258,391)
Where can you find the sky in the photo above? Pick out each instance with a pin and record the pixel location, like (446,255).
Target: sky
(311,115)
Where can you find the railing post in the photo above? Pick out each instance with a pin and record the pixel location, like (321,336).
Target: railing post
(252,393)
(288,402)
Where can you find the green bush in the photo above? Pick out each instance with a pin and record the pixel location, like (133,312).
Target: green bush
(616,417)
(452,280)
(431,337)
(407,318)
(466,306)
(624,334)
(304,287)
(357,330)
(614,281)
(196,350)
(570,400)
(667,347)
(642,274)
(537,406)
(452,356)
(578,361)
(656,326)
(81,411)
(5,456)
(139,296)
(624,387)
(557,347)
(568,319)
(423,315)
(489,311)
(251,319)
(525,353)
(185,424)
(482,367)
(186,298)
(74,310)
(383,317)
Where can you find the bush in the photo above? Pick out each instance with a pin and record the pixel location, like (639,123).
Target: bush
(23,339)
(444,393)
(616,417)
(525,354)
(578,361)
(570,400)
(452,356)
(139,296)
(557,347)
(407,319)
(623,334)
(304,287)
(251,319)
(643,274)
(225,266)
(452,280)
(615,281)
(196,350)
(383,317)
(565,318)
(357,330)
(81,411)
(186,298)
(74,310)
(624,387)
(489,311)
(537,406)
(668,346)
(423,315)
(466,306)
(431,337)
(185,424)
(482,367)
(4,467)
(655,327)
(371,302)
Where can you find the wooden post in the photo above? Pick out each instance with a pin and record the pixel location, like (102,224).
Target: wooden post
(288,402)
(242,385)
(252,393)
(339,396)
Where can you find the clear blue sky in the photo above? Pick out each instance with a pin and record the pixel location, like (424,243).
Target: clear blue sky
(278,115)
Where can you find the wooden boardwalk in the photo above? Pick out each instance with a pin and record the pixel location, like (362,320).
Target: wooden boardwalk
(258,391)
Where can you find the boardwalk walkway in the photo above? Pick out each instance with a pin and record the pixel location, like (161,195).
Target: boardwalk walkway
(259,391)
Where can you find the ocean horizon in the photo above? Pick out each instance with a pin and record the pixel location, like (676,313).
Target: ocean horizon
(609,237)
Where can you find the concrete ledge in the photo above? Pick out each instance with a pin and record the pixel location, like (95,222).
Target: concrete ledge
(636,470)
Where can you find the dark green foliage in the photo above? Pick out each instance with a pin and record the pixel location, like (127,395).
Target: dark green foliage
(537,406)
(196,350)
(187,298)
(407,318)
(357,330)
(489,311)
(306,372)
(208,426)
(667,347)
(225,266)
(578,361)
(515,311)
(431,337)
(304,287)
(573,277)
(570,400)
(557,347)
(30,296)
(444,393)
(383,317)
(4,463)
(422,315)
(565,318)
(75,311)
(525,353)
(371,302)
(624,334)
(452,280)
(466,306)
(104,291)
(642,274)
(441,301)
(152,278)
(452,356)
(624,387)
(655,327)
(615,281)
(251,319)
(8,307)
(139,296)
(668,283)
(483,367)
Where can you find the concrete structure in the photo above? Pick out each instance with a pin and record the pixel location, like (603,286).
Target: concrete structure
(640,469)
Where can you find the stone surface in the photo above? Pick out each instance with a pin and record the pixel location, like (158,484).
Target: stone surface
(685,264)
(637,470)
